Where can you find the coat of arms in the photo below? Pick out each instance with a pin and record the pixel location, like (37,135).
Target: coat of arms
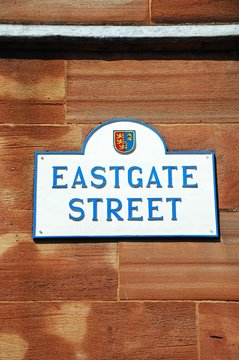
(124,141)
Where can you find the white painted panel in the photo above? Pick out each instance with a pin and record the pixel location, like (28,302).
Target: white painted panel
(144,192)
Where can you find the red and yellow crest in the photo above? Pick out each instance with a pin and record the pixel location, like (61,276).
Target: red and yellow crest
(124,141)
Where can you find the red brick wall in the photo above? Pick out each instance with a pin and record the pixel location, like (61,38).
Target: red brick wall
(117,300)
(118,11)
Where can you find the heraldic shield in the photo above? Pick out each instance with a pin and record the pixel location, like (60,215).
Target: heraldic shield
(124,141)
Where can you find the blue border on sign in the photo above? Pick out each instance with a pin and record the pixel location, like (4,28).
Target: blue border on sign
(82,151)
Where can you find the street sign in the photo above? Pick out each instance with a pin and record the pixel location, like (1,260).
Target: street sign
(124,183)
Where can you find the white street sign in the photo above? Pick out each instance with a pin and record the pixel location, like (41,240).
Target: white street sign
(124,183)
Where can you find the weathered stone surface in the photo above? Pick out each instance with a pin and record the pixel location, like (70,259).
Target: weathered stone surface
(219,331)
(56,271)
(195,11)
(155,91)
(79,11)
(99,330)
(35,81)
(179,270)
(20,112)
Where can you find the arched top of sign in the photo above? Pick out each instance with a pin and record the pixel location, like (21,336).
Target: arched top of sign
(125,136)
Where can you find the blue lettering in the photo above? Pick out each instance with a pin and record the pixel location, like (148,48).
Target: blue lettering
(139,180)
(152,208)
(114,211)
(95,202)
(153,179)
(98,177)
(57,176)
(76,209)
(132,208)
(187,176)
(81,180)
(117,169)
(174,210)
(170,174)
